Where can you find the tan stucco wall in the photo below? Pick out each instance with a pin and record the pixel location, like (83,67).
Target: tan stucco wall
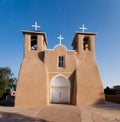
(88,83)
(40,66)
(32,84)
(51,59)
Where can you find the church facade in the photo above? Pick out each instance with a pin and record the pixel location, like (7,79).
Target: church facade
(59,75)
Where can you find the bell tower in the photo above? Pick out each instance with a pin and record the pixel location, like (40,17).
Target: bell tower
(34,41)
(84,42)
(30,75)
(88,81)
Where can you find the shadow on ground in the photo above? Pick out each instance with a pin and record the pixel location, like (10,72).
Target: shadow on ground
(108,105)
(15,117)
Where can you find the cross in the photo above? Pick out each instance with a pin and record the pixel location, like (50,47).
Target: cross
(83,28)
(36,26)
(60,38)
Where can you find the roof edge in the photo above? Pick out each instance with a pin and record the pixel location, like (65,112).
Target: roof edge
(36,32)
(82,33)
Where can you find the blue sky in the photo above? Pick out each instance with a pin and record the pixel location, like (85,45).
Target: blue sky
(63,17)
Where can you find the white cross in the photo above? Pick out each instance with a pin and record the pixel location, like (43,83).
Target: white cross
(60,38)
(36,26)
(83,28)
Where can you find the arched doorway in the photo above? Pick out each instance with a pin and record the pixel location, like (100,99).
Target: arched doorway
(60,89)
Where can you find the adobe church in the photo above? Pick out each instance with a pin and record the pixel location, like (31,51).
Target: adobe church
(59,75)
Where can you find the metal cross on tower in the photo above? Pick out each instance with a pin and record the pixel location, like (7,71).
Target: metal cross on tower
(83,28)
(36,26)
(60,38)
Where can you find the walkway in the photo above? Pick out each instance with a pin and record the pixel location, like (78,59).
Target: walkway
(61,113)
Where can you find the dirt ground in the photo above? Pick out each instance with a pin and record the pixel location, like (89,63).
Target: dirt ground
(109,112)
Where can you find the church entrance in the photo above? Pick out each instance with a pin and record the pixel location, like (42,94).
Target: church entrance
(60,89)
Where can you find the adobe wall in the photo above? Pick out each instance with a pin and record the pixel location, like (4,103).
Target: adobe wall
(51,60)
(40,66)
(88,81)
(32,87)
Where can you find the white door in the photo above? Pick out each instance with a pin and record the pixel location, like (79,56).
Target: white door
(60,95)
(60,89)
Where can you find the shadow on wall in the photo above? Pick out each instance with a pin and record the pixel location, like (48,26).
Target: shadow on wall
(14,117)
(41,56)
(73,88)
(100,101)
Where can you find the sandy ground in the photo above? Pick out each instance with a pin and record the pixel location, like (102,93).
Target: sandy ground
(61,113)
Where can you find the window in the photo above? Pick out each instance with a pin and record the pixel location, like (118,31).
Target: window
(86,43)
(61,61)
(33,42)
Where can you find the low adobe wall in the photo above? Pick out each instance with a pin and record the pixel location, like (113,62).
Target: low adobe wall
(113,98)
